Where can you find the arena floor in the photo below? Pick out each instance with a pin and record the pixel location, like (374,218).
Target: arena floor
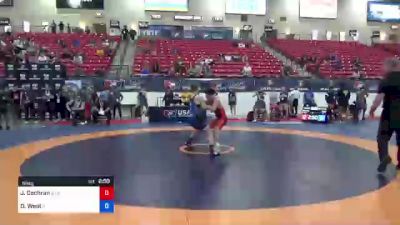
(268,174)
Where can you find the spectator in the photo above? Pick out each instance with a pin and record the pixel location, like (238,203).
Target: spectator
(102,109)
(15,97)
(78,59)
(100,52)
(343,97)
(361,102)
(260,108)
(245,59)
(209,61)
(303,61)
(357,64)
(76,108)
(61,26)
(227,58)
(125,33)
(330,99)
(142,102)
(179,66)
(52,57)
(4,106)
(309,100)
(115,103)
(42,58)
(69,28)
(76,43)
(53,27)
(259,94)
(106,43)
(284,103)
(247,70)
(26,59)
(154,62)
(87,30)
(314,59)
(207,70)
(294,98)
(132,34)
(337,64)
(27,99)
(146,68)
(195,71)
(232,100)
(61,102)
(171,71)
(49,104)
(168,97)
(67,54)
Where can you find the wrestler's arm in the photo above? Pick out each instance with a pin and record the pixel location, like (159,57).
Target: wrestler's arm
(199,100)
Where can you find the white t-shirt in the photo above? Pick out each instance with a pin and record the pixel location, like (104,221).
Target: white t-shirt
(295,94)
(228,58)
(208,61)
(42,58)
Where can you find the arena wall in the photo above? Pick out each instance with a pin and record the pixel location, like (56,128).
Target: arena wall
(245,100)
(352,14)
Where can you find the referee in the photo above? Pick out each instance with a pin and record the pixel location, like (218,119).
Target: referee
(389,94)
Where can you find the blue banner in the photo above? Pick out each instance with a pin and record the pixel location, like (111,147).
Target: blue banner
(159,84)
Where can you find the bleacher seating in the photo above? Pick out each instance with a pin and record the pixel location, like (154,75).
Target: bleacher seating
(191,51)
(88,45)
(393,48)
(371,58)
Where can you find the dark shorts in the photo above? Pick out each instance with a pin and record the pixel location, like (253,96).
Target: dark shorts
(198,124)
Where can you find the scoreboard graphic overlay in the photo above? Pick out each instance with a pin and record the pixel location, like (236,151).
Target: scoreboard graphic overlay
(65,195)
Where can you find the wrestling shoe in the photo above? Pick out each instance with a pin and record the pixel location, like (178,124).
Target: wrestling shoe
(189,144)
(384,163)
(214,152)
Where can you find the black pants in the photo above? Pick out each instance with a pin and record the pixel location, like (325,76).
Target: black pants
(385,133)
(77,116)
(60,108)
(29,110)
(295,107)
(4,117)
(50,108)
(116,107)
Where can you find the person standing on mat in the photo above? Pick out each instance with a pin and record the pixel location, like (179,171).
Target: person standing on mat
(232,102)
(389,94)
(115,101)
(361,102)
(4,105)
(199,115)
(294,97)
(214,104)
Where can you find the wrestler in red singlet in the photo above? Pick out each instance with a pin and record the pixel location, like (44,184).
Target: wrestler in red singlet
(218,123)
(221,118)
